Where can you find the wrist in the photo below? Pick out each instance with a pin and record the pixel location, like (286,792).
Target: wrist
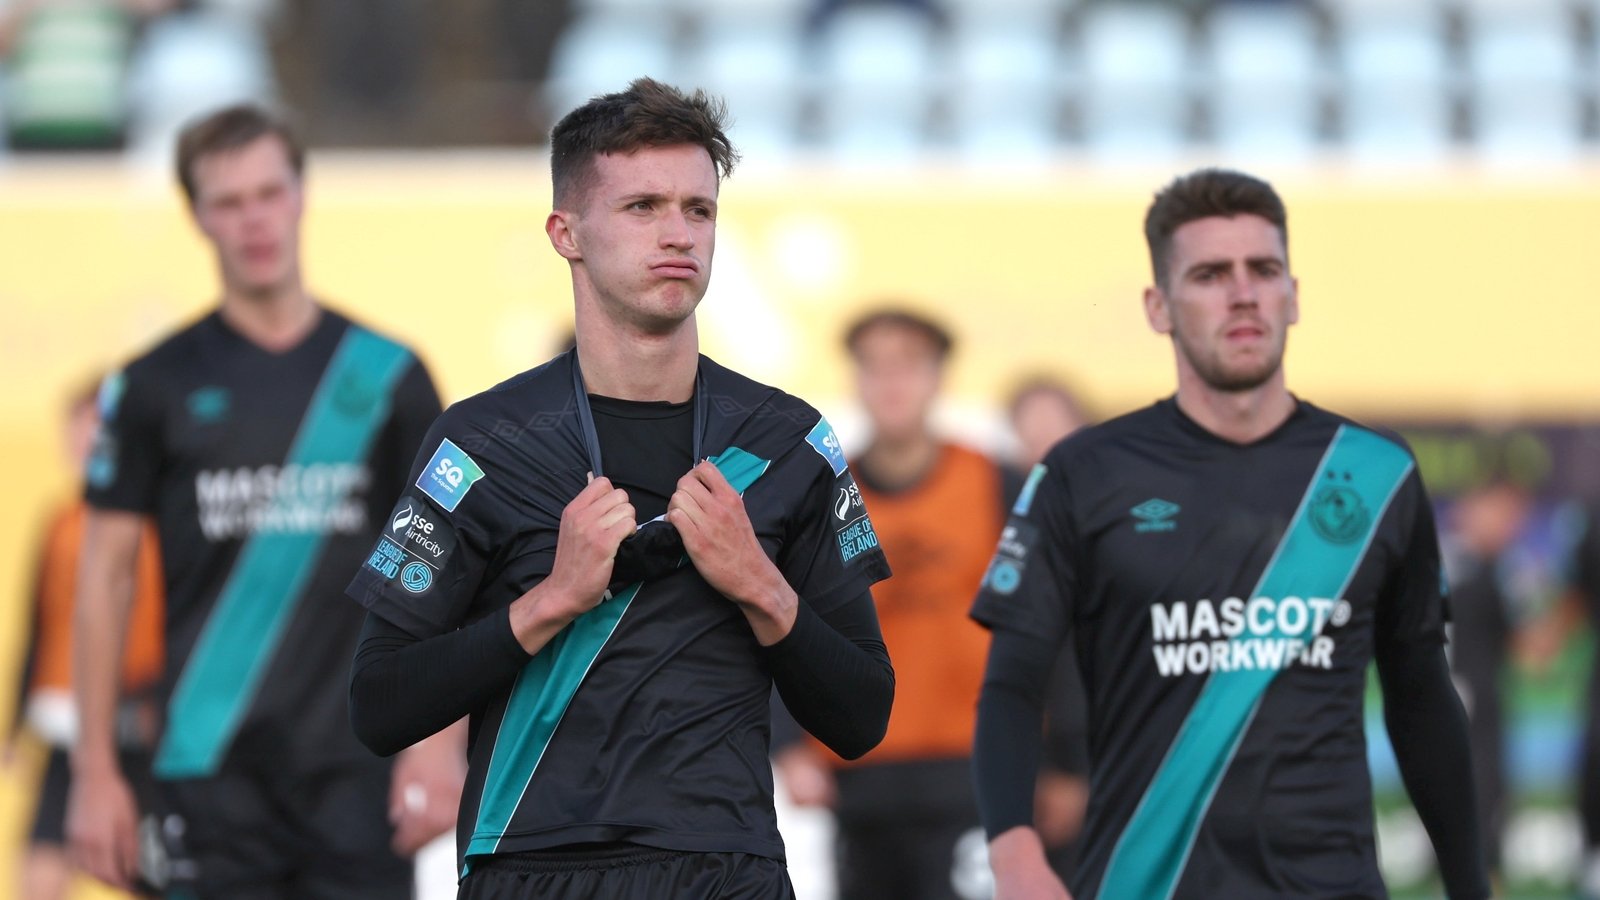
(92,759)
(540,613)
(1016,846)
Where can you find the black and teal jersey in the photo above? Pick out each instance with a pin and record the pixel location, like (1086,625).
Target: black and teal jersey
(1224,601)
(645,721)
(264,473)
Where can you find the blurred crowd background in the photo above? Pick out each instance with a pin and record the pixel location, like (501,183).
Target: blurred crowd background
(986,162)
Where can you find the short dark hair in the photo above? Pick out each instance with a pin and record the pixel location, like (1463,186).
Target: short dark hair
(1202,194)
(229,129)
(900,317)
(647,114)
(1046,386)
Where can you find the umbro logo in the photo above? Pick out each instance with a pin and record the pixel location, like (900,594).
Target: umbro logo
(1155,514)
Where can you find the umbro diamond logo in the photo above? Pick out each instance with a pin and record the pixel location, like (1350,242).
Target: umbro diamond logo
(1155,514)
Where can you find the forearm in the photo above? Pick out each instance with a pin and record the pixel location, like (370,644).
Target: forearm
(1006,748)
(402,689)
(1428,729)
(838,684)
(100,623)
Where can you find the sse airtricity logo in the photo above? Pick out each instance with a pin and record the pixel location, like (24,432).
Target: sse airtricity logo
(416,577)
(402,519)
(449,475)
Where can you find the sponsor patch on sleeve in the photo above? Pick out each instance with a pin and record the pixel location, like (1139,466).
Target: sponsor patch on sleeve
(449,475)
(415,545)
(426,536)
(1029,488)
(825,442)
(853,531)
(1010,558)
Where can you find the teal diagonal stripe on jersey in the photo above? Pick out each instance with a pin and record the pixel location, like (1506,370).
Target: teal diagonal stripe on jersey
(241,636)
(1317,556)
(546,685)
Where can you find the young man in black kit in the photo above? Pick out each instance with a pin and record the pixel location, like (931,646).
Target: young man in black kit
(1227,562)
(264,441)
(609,560)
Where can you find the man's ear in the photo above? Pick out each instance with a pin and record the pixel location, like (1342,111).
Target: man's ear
(559,226)
(1157,311)
(1294,302)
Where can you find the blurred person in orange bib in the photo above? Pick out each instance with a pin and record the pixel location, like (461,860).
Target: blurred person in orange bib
(907,821)
(44,704)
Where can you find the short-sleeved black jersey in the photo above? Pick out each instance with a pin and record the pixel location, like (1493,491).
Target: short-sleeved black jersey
(646,719)
(1225,601)
(264,473)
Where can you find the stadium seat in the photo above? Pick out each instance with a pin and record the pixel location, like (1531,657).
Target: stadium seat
(875,69)
(757,63)
(65,75)
(1005,90)
(602,52)
(189,64)
(1525,72)
(1269,79)
(1398,81)
(1137,69)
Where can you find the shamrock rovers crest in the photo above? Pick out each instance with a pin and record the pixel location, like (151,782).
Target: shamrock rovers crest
(1338,514)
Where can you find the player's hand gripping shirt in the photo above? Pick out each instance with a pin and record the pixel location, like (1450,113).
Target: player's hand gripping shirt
(1225,601)
(264,473)
(646,719)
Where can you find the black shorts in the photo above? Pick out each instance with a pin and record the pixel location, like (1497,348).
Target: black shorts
(250,835)
(50,814)
(638,873)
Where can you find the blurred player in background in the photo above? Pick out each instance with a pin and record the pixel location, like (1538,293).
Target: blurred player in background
(264,441)
(906,817)
(1542,642)
(1484,526)
(627,547)
(1227,562)
(45,706)
(1042,411)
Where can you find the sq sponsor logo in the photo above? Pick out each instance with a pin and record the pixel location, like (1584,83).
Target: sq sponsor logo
(449,475)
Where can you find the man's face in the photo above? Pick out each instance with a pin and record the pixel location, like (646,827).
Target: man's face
(248,202)
(644,234)
(898,372)
(1228,300)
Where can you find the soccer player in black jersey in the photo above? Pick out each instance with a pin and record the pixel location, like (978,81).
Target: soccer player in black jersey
(263,440)
(1227,562)
(608,561)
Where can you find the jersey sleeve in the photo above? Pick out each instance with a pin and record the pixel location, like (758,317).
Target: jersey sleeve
(1413,604)
(424,571)
(1032,578)
(124,466)
(831,554)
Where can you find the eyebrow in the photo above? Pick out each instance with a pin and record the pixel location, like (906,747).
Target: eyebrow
(657,197)
(1224,263)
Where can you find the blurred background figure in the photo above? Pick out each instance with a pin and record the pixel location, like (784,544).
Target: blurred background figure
(1575,612)
(1482,531)
(906,816)
(1043,410)
(45,708)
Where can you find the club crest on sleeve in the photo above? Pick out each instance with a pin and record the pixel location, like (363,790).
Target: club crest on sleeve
(826,443)
(448,475)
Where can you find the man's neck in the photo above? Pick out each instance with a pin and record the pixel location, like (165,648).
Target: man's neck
(275,321)
(900,461)
(1241,417)
(627,365)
